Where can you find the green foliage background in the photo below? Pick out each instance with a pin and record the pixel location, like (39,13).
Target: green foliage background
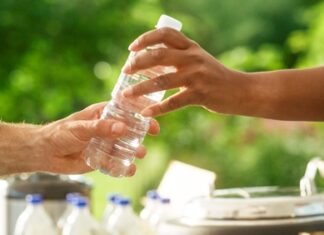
(59,56)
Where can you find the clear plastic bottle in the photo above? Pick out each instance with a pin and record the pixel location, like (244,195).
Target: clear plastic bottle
(115,157)
(151,204)
(112,201)
(34,220)
(161,214)
(69,208)
(80,221)
(124,221)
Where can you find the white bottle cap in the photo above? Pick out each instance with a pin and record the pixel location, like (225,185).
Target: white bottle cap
(168,21)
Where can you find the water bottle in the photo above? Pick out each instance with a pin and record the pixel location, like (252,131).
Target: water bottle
(115,157)
(69,208)
(34,220)
(110,208)
(151,204)
(161,214)
(80,221)
(124,221)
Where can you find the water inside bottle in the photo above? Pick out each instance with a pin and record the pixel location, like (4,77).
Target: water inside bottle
(135,104)
(115,156)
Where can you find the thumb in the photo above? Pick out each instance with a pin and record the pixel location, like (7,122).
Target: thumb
(85,130)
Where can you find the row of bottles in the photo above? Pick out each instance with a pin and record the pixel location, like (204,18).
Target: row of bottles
(119,217)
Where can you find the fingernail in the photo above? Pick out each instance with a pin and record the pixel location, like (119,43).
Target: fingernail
(117,128)
(147,113)
(128,92)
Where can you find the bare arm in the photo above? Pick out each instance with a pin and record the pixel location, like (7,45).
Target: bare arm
(204,81)
(296,94)
(57,147)
(16,143)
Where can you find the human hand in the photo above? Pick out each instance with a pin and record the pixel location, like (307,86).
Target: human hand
(201,78)
(63,141)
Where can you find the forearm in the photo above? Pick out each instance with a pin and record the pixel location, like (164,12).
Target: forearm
(18,148)
(285,94)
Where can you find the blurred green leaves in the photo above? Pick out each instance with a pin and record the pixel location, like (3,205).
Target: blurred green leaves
(59,56)
(50,49)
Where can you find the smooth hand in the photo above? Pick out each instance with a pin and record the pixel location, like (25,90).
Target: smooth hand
(201,78)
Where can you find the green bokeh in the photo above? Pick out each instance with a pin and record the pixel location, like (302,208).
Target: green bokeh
(60,56)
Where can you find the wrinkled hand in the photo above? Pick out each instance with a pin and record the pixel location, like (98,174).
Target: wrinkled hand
(201,78)
(65,140)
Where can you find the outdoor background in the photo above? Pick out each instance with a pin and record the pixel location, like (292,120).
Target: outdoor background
(59,56)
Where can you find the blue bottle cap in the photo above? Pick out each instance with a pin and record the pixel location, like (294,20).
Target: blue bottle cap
(124,202)
(70,196)
(34,199)
(113,198)
(80,202)
(153,194)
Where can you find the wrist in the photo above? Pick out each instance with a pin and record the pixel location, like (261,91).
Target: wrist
(236,95)
(260,95)
(19,148)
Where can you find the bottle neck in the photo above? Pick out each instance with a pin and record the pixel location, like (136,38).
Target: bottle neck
(82,210)
(152,203)
(36,206)
(125,209)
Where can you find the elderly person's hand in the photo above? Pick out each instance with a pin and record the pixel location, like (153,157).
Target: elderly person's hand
(201,78)
(58,146)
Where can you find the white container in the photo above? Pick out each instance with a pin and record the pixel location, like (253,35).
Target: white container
(112,201)
(115,157)
(151,204)
(80,221)
(34,220)
(69,208)
(124,221)
(161,214)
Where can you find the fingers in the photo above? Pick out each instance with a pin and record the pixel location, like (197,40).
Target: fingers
(168,36)
(150,58)
(160,83)
(91,112)
(85,130)
(154,128)
(174,102)
(140,152)
(131,170)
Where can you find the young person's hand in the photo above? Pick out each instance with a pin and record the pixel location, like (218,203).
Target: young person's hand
(201,78)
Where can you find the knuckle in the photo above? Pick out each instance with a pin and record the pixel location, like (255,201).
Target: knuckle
(137,88)
(163,32)
(196,57)
(134,62)
(161,82)
(100,124)
(189,81)
(158,54)
(140,88)
(173,104)
(200,72)
(194,44)
(61,127)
